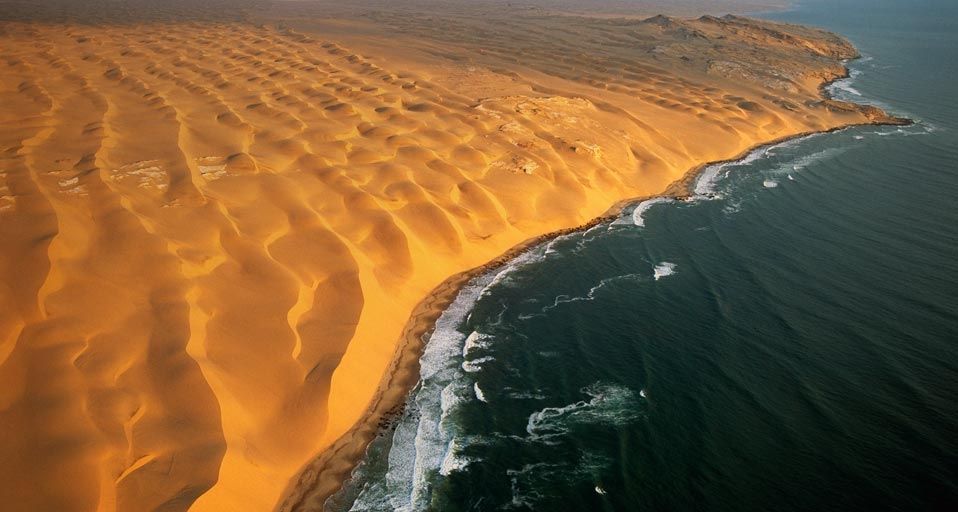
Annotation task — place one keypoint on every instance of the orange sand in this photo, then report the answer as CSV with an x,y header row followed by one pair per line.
x,y
213,234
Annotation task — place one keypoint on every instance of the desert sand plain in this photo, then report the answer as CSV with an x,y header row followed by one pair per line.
x,y
217,224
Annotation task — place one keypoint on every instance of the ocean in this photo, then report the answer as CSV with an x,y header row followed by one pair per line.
x,y
785,340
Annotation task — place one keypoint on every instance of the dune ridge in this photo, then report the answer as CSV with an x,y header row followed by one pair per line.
x,y
214,232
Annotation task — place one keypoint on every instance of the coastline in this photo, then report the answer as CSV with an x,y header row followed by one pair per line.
x,y
326,473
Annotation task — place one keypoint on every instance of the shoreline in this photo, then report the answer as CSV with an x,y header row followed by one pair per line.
x,y
325,474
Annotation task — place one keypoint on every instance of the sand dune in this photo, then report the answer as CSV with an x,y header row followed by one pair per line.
x,y
214,232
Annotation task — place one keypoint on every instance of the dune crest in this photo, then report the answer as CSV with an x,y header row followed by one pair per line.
x,y
214,233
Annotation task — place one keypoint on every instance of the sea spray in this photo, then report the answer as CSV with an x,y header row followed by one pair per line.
x,y
664,269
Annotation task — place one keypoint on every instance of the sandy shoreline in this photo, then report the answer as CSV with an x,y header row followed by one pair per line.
x,y
219,231
325,475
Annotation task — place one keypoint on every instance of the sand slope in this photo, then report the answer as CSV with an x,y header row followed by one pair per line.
x,y
213,233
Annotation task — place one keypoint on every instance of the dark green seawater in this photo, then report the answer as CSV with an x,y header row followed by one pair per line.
x,y
788,340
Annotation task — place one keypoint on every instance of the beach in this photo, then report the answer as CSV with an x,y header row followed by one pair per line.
x,y
224,239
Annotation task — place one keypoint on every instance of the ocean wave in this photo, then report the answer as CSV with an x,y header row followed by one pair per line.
x,y
663,269
843,85
842,88
453,460
424,444
531,482
550,246
591,294
609,405
476,341
801,163
502,277
525,394
479,394
705,185
707,182
474,365
732,207
641,208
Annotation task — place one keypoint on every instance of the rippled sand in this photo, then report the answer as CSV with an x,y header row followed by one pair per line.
x,y
214,230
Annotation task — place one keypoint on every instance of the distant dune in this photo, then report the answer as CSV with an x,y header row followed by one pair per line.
x,y
215,227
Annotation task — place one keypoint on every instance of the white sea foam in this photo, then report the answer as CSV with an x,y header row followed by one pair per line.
x,y
769,183
501,277
474,365
452,461
800,164
731,207
550,247
591,294
531,482
641,208
707,182
525,395
663,269
844,85
475,341
608,405
479,394
422,443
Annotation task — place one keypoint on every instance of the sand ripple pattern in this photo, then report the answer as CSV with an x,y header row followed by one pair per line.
x,y
213,233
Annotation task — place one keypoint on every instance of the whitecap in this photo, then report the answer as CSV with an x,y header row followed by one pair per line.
x,y
705,185
663,269
641,208
550,246
526,395
475,365
479,394
799,164
845,85
502,276
608,405
452,461
475,341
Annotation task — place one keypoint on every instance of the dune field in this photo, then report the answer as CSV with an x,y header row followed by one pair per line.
x,y
215,227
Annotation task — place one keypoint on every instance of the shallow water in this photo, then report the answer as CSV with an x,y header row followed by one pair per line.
x,y
787,340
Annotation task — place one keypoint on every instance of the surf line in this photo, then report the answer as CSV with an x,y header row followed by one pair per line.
x,y
330,469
